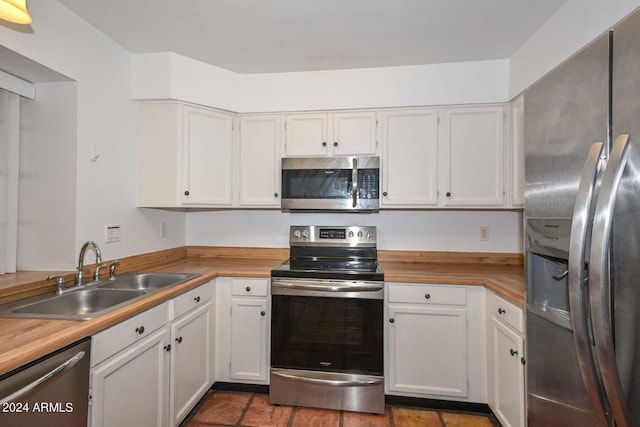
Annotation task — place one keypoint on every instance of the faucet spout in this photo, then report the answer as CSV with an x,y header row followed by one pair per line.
x,y
80,279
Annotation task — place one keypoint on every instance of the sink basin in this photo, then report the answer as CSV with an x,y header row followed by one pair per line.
x,y
79,305
147,281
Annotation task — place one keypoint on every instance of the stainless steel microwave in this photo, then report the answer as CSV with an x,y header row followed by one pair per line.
x,y
331,183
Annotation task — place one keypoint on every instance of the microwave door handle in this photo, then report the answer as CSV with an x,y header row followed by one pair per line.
x,y
354,182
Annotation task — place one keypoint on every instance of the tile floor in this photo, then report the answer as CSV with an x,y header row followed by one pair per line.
x,y
223,408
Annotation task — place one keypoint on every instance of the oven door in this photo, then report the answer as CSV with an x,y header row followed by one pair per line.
x,y
340,183
327,326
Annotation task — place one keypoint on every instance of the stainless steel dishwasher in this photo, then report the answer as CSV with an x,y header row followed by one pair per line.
x,y
53,390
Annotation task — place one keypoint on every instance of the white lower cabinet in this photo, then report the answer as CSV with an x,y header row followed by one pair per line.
x,y
242,330
190,338
431,331
131,388
505,368
151,369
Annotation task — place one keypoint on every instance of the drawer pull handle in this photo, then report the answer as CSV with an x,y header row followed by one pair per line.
x,y
248,289
140,330
501,310
262,313
392,320
179,340
513,352
427,296
197,299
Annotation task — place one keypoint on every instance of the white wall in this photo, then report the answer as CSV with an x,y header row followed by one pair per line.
x,y
571,28
105,189
167,75
434,230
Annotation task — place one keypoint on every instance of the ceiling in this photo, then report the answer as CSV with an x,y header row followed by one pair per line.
x,y
265,36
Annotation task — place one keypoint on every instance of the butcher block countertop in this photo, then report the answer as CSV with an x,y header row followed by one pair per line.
x,y
25,340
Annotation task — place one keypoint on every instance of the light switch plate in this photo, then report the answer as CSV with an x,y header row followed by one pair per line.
x,y
111,233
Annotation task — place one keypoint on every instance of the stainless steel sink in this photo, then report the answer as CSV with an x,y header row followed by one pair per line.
x,y
77,305
94,299
147,281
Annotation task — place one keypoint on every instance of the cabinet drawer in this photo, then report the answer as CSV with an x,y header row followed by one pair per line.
x,y
189,300
110,341
250,287
428,294
509,313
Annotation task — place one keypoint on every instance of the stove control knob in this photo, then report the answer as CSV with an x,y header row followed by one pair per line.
x,y
360,234
350,234
368,234
296,234
305,234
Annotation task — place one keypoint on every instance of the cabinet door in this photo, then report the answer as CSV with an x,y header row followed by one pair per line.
x,y
410,158
190,342
249,339
354,133
131,387
260,161
517,153
427,350
473,158
207,157
306,135
507,397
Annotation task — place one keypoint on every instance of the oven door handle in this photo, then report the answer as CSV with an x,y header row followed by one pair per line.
x,y
346,382
326,287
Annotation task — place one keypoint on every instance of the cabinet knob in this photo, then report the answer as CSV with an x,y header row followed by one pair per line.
x,y
179,340
513,352
523,361
448,194
186,193
501,310
197,299
384,193
140,330
324,143
248,289
275,195
392,320
263,313
167,347
427,296
335,143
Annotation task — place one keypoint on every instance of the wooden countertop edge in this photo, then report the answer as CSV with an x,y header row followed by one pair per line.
x,y
65,332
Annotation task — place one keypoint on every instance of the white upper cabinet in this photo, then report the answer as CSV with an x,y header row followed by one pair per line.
x,y
260,161
184,155
516,159
331,134
472,165
410,158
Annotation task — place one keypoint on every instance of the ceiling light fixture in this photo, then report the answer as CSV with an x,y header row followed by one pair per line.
x,y
15,11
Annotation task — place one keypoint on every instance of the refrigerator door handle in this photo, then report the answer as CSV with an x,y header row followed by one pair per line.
x,y
577,282
599,281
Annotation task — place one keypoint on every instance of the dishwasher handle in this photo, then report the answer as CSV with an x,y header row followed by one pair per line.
x,y
43,380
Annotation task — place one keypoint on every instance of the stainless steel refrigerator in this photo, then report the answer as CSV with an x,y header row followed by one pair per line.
x,y
582,236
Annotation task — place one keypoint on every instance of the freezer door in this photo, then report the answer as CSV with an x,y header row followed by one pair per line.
x,y
565,113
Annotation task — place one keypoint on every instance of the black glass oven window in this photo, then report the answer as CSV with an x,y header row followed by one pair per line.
x,y
316,184
327,334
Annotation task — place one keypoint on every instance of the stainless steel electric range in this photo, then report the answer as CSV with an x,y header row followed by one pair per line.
x,y
326,322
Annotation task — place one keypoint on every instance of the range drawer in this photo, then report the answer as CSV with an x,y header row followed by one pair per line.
x,y
427,294
509,313
189,300
106,343
250,287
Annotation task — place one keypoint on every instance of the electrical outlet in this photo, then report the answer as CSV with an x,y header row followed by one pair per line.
x,y
484,234
163,229
111,233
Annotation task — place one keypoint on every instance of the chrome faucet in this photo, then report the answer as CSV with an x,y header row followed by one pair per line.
x,y
80,280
